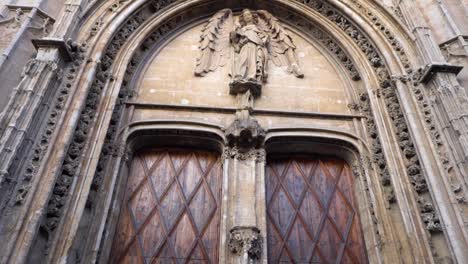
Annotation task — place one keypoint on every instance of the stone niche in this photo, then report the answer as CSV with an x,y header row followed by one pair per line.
x,y
169,79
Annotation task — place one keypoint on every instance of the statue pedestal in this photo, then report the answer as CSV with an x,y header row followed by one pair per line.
x,y
242,86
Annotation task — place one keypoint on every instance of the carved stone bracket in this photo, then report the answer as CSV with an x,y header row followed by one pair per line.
x,y
245,133
246,240
65,48
241,86
430,70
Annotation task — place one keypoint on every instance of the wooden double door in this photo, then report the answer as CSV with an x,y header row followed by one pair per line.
x,y
170,212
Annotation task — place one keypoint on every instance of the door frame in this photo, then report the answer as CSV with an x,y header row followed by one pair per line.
x,y
206,136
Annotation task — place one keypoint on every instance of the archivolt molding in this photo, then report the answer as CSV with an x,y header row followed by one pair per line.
x,y
113,55
119,41
388,92
72,164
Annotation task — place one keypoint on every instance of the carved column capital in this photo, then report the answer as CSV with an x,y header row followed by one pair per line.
x,y
246,240
259,155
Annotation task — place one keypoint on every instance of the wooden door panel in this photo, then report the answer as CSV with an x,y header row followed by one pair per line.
x,y
311,213
170,212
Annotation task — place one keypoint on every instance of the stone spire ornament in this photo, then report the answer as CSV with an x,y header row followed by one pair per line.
x,y
249,41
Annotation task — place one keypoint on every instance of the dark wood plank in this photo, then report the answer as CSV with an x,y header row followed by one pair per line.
x,y
171,209
311,214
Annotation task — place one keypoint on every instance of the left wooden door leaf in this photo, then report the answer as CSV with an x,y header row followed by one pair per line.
x,y
171,209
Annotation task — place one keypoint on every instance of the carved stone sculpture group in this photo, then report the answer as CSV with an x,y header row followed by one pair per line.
x,y
249,41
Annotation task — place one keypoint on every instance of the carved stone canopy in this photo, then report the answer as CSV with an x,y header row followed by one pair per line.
x,y
245,133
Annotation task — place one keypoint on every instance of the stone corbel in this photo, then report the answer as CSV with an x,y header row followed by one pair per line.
x,y
246,242
245,133
431,69
65,48
16,18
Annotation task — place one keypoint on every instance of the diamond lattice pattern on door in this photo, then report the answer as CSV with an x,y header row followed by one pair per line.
x,y
312,216
170,212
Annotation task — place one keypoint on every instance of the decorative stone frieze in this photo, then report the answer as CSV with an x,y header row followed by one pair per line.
x,y
377,157
246,240
42,146
259,155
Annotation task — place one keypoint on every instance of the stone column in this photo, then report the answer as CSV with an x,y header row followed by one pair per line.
x,y
244,216
450,102
25,114
443,76
246,232
37,79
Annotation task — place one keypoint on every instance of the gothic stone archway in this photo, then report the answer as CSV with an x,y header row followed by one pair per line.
x,y
391,172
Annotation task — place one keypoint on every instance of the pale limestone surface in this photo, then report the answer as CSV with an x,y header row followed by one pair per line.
x,y
223,120
169,79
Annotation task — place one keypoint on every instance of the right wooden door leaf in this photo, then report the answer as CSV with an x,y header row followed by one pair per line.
x,y
311,213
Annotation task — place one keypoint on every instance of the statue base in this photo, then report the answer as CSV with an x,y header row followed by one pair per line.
x,y
242,86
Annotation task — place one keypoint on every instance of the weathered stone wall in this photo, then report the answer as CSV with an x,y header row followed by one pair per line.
x,y
20,22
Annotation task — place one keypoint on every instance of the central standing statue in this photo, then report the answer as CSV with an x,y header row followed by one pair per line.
x,y
250,46
250,40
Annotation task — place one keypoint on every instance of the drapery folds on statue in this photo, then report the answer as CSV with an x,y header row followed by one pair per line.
x,y
250,41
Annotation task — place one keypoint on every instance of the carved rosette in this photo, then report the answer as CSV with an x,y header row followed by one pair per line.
x,y
246,240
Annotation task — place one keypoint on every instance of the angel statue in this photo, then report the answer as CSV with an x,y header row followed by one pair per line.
x,y
250,40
